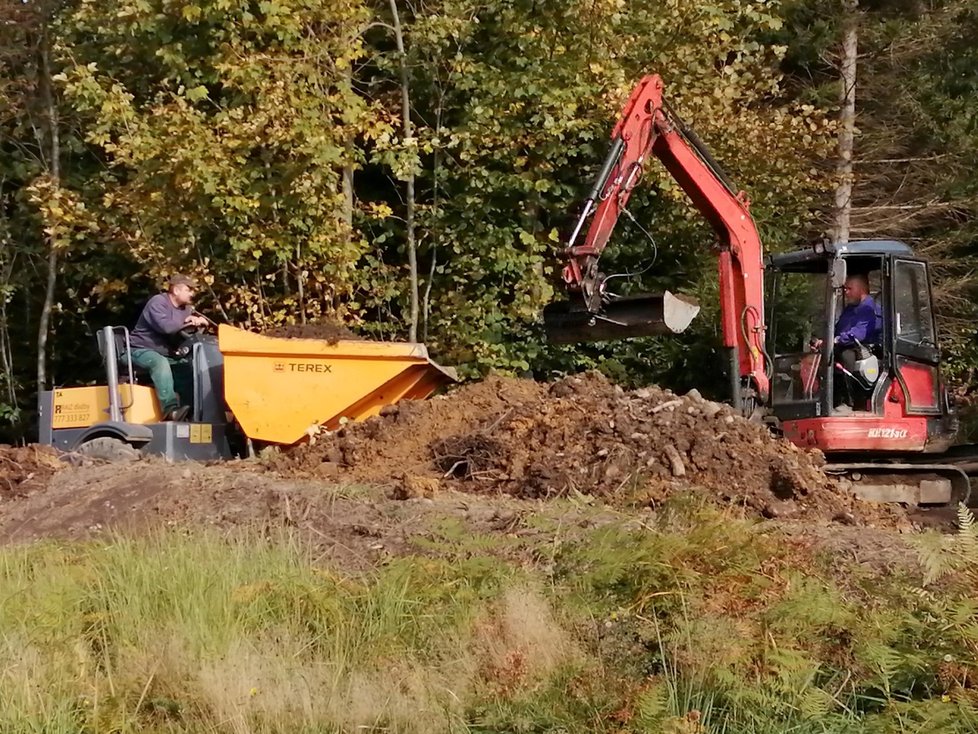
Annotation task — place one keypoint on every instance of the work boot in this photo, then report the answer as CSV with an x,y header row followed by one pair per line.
x,y
177,414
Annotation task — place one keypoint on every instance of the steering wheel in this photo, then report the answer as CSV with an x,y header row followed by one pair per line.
x,y
186,336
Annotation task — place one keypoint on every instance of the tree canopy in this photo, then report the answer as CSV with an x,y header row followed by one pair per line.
x,y
262,145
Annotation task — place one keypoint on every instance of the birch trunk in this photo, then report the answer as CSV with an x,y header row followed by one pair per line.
x,y
54,141
847,123
409,193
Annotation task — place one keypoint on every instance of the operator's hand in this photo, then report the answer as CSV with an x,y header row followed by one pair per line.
x,y
192,320
815,344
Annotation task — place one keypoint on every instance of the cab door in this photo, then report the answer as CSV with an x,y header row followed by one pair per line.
x,y
914,337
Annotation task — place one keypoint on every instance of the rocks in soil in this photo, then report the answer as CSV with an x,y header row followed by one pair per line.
x,y
581,435
414,487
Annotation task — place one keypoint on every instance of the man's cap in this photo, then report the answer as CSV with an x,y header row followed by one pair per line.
x,y
179,279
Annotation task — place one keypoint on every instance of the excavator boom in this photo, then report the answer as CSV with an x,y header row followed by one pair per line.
x,y
648,128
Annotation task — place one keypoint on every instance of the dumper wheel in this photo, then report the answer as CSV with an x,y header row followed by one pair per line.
x,y
108,448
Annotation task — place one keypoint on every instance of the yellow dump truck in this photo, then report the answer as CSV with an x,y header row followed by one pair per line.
x,y
246,388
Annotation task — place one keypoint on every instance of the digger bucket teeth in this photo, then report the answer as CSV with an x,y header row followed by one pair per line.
x,y
569,322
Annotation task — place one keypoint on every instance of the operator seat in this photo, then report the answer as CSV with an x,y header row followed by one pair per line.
x,y
120,338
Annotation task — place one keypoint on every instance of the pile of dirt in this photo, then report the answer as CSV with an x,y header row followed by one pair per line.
x,y
579,435
26,469
330,331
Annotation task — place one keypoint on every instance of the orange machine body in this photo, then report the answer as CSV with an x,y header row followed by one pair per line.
x,y
281,390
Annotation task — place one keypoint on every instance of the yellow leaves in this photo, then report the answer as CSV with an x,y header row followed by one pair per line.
x,y
197,93
376,210
190,13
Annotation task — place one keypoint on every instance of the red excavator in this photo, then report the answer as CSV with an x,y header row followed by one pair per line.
x,y
884,420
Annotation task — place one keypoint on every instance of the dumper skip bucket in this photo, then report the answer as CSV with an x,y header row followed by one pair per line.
x,y
280,390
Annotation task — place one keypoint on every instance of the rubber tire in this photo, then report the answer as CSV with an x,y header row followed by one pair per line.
x,y
109,449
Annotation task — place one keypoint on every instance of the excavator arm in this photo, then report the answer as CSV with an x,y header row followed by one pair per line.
x,y
648,128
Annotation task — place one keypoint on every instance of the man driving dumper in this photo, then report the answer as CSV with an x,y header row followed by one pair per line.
x,y
155,338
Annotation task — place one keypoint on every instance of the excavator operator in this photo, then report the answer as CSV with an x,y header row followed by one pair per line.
x,y
859,324
154,340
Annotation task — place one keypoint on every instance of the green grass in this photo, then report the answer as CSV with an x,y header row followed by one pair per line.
x,y
697,624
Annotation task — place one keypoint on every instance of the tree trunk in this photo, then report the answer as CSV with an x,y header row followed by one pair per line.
x,y
435,203
347,176
847,122
409,194
6,350
54,140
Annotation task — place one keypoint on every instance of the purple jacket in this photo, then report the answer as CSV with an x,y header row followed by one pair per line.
x,y
858,322
157,324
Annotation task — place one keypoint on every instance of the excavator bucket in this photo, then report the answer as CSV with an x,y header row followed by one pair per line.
x,y
569,322
281,390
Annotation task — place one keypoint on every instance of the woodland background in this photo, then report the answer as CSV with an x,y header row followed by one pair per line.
x,y
410,167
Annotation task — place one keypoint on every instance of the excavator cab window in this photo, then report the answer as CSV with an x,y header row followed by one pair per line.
x,y
798,317
915,337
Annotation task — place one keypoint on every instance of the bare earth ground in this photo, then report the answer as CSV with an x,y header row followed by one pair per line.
x,y
509,458
352,527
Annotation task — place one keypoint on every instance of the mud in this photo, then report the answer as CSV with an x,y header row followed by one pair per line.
x,y
329,331
351,528
25,470
580,436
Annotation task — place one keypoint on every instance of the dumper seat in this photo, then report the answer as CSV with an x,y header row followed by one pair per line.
x,y
120,350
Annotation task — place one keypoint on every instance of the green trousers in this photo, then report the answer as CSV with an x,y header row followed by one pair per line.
x,y
171,377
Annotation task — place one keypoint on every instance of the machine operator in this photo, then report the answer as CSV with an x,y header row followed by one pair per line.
x,y
153,341
860,321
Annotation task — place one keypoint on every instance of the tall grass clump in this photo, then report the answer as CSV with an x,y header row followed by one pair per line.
x,y
176,633
733,628
688,622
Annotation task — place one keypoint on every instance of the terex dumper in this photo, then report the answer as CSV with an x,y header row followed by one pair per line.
x,y
246,388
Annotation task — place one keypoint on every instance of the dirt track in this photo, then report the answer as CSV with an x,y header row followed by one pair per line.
x,y
502,446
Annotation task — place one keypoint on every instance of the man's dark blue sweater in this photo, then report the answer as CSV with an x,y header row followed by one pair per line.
x,y
157,324
858,322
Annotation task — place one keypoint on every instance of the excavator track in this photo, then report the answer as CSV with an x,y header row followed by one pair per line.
x,y
923,481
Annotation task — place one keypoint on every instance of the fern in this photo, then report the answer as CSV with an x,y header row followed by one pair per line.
x,y
967,537
816,704
934,557
653,706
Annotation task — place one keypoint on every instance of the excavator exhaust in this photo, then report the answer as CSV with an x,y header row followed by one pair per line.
x,y
570,322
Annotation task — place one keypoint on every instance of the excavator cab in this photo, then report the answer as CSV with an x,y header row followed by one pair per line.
x,y
886,393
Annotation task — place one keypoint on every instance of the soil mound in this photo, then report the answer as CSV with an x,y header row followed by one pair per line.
x,y
330,331
26,469
579,435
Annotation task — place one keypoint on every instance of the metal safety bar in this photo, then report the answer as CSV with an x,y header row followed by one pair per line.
x,y
112,359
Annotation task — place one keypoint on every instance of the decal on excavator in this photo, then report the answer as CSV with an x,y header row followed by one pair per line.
x,y
886,433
